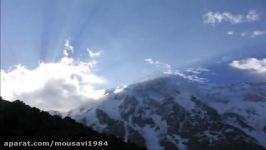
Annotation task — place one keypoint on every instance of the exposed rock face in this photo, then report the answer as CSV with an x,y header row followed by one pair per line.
x,y
115,127
233,117
135,136
165,114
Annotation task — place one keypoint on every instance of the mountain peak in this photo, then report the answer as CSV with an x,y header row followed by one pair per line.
x,y
169,113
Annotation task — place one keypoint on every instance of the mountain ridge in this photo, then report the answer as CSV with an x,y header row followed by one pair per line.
x,y
173,113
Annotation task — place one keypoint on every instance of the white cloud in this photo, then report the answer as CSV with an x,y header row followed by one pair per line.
x,y
191,77
214,18
190,74
151,61
251,34
250,64
120,89
252,16
67,48
230,32
165,66
258,33
94,54
60,86
197,70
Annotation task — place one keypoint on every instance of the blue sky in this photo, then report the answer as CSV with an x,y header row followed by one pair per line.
x,y
180,33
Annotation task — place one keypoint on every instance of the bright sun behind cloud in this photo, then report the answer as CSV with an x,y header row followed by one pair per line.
x,y
59,86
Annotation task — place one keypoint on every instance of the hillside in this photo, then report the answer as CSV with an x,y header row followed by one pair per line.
x,y
19,122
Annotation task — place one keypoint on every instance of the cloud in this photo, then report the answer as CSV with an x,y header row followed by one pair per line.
x,y
230,32
59,86
258,33
120,89
252,16
191,77
197,70
250,64
151,61
94,54
190,74
165,66
214,18
67,48
251,34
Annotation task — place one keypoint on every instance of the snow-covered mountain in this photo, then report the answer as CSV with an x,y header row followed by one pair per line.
x,y
242,106
174,113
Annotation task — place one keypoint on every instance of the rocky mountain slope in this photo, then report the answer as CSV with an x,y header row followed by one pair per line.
x,y
172,113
